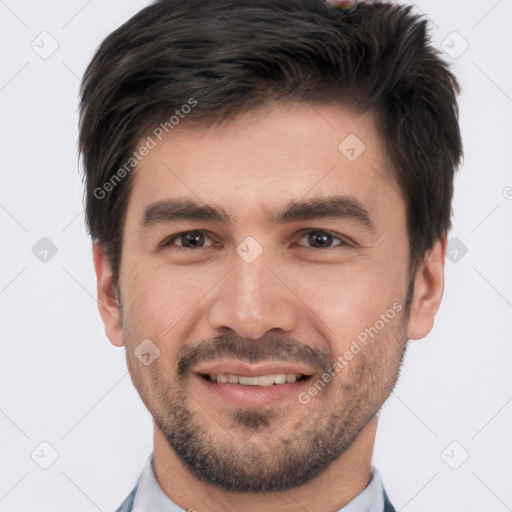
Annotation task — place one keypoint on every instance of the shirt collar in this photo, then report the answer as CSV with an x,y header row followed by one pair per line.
x,y
151,498
371,499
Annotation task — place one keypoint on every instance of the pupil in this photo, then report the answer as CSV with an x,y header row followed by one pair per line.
x,y
320,239
193,239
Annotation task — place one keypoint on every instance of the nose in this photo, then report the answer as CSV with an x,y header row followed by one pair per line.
x,y
252,300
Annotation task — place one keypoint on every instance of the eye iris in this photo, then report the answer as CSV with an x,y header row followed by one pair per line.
x,y
192,240
320,239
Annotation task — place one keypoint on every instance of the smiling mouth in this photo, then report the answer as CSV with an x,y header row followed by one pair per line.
x,y
277,379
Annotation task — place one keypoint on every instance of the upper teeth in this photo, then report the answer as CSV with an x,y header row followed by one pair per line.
x,y
257,380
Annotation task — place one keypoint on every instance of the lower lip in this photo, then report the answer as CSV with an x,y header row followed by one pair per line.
x,y
255,396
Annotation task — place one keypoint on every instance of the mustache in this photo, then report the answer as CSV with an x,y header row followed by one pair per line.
x,y
269,348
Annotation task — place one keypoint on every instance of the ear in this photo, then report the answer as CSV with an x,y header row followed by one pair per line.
x,y
428,291
108,304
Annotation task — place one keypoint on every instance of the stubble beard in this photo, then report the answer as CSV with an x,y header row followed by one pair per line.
x,y
261,451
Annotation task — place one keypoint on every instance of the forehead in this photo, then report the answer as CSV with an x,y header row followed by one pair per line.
x,y
256,162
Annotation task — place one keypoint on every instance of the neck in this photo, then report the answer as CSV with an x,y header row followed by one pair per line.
x,y
345,479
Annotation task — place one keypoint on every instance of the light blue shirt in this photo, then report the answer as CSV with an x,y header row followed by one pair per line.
x,y
151,498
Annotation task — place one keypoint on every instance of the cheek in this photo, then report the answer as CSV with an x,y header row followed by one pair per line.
x,y
370,360
356,292
351,297
159,297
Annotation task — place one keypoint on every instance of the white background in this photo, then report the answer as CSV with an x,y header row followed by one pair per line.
x,y
62,382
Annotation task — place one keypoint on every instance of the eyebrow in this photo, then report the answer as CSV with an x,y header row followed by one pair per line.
x,y
183,209
330,207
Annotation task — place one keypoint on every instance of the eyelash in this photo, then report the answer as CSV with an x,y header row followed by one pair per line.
x,y
342,242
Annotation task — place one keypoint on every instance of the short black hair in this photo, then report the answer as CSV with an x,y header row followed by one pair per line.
x,y
225,57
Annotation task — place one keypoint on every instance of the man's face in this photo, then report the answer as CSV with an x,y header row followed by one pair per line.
x,y
305,263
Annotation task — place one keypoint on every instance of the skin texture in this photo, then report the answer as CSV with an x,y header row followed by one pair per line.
x,y
298,302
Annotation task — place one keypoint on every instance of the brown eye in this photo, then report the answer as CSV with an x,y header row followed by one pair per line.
x,y
189,240
321,240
